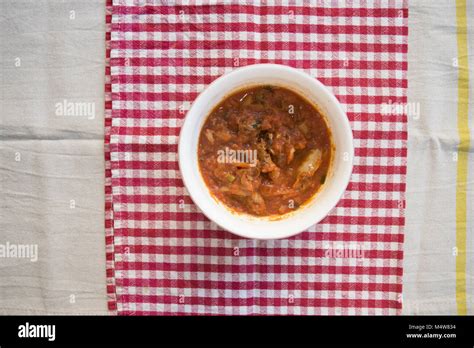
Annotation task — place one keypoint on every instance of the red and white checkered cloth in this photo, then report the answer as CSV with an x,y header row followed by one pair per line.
x,y
164,255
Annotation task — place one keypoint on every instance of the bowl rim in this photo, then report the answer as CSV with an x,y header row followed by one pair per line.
x,y
182,154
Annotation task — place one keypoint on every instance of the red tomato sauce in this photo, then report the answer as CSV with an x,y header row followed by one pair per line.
x,y
264,151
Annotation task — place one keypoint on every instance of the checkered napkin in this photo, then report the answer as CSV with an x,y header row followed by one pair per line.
x,y
163,255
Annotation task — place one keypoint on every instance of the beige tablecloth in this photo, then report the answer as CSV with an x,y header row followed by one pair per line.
x,y
429,284
52,168
51,163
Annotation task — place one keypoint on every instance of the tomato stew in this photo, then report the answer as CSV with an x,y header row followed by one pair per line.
x,y
264,151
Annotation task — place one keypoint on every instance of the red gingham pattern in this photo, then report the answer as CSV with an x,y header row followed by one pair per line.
x,y
167,257
109,232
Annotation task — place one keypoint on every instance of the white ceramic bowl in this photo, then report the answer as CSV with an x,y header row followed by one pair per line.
x,y
309,214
